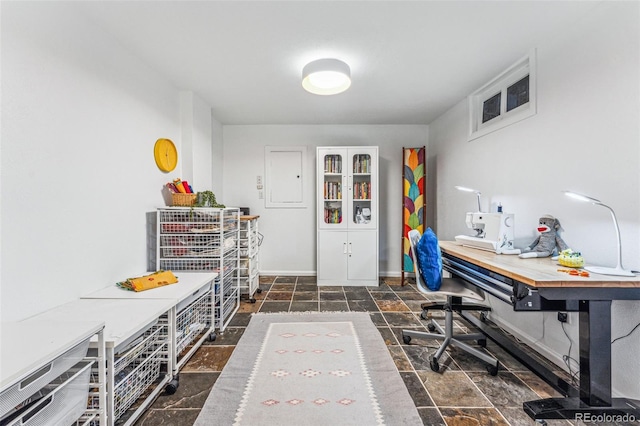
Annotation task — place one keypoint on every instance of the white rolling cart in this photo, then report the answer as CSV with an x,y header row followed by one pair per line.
x,y
248,271
202,239
46,375
136,340
192,320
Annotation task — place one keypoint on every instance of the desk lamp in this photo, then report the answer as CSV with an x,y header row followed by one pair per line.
x,y
618,270
465,189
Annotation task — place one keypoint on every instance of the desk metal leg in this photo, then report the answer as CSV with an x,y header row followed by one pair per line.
x,y
595,399
595,352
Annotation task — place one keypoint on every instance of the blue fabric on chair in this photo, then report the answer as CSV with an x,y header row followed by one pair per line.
x,y
430,260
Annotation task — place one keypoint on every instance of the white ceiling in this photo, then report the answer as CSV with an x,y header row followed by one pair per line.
x,y
410,60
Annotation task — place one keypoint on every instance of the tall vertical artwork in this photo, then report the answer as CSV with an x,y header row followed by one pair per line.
x,y
413,200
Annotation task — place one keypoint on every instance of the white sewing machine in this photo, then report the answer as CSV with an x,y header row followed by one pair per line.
x,y
494,232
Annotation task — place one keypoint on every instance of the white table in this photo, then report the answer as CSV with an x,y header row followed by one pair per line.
x,y
125,320
29,349
192,289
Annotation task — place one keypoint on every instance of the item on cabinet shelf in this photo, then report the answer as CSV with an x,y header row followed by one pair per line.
x,y
207,199
148,282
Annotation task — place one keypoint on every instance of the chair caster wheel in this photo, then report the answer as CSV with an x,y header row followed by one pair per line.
x,y
431,327
424,315
212,337
493,369
172,386
252,300
482,343
433,363
259,291
406,339
483,316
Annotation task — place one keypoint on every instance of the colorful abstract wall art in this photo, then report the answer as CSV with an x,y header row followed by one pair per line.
x,y
413,200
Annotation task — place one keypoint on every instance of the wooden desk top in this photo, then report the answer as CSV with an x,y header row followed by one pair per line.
x,y
249,217
535,272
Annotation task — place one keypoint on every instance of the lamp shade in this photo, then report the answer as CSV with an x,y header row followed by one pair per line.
x,y
326,77
475,191
618,269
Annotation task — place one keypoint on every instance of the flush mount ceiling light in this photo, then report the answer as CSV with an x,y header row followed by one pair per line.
x,y
326,77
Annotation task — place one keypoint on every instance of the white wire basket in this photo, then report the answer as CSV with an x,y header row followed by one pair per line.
x,y
192,321
138,368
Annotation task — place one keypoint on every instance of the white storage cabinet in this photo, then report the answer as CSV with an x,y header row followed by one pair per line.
x,y
347,216
206,240
136,342
47,376
250,240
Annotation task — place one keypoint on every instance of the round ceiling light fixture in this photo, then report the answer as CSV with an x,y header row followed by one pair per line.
x,y
326,77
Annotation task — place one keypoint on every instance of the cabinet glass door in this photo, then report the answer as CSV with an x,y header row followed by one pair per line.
x,y
362,203
332,180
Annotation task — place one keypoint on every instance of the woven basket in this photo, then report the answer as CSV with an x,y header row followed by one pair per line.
x,y
181,199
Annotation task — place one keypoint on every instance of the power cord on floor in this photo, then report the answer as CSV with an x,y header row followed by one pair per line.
x,y
626,335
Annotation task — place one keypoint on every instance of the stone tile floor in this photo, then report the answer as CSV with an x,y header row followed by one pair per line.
x,y
461,394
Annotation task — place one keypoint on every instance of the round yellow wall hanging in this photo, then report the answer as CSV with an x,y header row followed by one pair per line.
x,y
165,154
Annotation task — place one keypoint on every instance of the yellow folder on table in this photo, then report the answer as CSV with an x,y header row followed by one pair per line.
x,y
148,282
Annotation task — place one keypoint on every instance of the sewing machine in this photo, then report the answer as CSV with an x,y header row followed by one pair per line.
x,y
494,232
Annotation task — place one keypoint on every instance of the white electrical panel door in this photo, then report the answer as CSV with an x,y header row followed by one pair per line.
x,y
284,175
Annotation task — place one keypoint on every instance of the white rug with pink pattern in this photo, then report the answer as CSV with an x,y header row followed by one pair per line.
x,y
310,369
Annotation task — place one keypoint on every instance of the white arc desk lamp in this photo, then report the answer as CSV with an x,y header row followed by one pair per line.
x,y
618,270
465,189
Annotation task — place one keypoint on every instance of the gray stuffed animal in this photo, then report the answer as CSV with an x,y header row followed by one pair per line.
x,y
548,240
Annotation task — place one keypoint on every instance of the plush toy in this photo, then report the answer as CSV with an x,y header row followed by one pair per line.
x,y
548,240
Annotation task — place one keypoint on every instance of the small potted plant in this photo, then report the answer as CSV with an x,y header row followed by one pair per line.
x,y
207,199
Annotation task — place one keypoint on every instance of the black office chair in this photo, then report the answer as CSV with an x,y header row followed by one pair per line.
x,y
454,289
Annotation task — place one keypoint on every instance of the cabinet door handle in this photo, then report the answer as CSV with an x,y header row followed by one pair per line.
x,y
344,248
350,248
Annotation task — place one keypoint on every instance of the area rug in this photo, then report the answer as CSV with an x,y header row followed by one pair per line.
x,y
310,369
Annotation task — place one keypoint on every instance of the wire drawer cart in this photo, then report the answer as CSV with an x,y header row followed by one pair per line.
x,y
250,241
53,380
203,239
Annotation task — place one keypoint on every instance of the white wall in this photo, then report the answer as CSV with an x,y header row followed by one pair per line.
x,y
196,137
217,164
585,138
289,245
80,117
